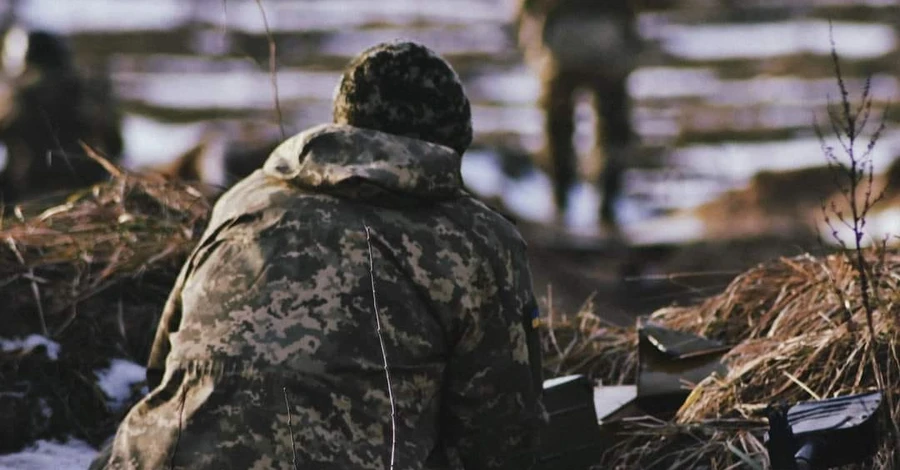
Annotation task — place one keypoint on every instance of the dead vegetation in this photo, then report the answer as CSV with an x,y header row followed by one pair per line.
x,y
799,333
802,328
90,273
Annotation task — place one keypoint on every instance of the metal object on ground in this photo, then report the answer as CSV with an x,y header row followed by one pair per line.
x,y
670,362
583,416
572,439
824,434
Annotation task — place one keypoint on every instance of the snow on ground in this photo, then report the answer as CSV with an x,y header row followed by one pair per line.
x,y
282,15
104,15
667,230
31,342
881,226
116,381
286,15
149,141
530,197
49,455
236,89
729,41
739,161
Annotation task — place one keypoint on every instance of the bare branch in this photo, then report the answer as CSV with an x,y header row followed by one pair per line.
x,y
273,69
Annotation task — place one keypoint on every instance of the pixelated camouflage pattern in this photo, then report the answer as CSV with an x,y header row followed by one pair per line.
x,y
405,88
267,354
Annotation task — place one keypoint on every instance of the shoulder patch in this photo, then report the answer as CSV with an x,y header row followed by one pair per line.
x,y
535,318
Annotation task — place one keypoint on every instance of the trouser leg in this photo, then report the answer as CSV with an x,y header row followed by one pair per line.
x,y
557,102
614,136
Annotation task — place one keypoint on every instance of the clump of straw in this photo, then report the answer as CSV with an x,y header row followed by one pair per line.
x,y
90,273
799,331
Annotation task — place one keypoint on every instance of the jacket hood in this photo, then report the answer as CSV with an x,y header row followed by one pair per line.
x,y
357,163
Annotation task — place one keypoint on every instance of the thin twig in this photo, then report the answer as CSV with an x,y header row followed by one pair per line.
x,y
680,275
123,331
849,125
35,290
802,385
287,404
387,372
106,164
273,70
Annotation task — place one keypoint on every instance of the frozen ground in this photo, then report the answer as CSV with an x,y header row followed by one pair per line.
x,y
30,342
116,381
50,455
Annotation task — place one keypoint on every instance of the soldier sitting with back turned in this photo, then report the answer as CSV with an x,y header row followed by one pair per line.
x,y
51,108
583,44
269,352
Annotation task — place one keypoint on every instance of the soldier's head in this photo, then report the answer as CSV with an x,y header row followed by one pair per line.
x,y
404,88
23,50
48,50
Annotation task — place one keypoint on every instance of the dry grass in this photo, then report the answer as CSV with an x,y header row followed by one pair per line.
x,y
92,274
800,333
585,344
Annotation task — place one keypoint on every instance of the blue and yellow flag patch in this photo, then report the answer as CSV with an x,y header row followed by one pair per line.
x,y
535,318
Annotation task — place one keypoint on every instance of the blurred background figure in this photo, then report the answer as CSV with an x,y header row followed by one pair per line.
x,y
590,45
47,109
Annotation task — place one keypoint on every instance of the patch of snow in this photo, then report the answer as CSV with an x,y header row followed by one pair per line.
x,y
665,230
668,190
482,174
46,411
487,39
584,209
523,120
117,380
104,15
649,83
351,14
630,210
881,225
31,342
729,41
49,455
531,197
519,85
238,89
153,142
738,162
798,91
672,82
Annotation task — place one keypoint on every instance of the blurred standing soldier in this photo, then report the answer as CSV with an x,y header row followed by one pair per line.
x,y
48,110
350,305
590,44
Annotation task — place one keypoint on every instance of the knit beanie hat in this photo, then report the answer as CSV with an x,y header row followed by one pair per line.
x,y
404,88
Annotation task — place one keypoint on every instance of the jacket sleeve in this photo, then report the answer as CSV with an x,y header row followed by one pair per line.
x,y
491,401
168,322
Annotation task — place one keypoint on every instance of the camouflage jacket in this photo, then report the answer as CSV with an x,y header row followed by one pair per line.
x,y
268,354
